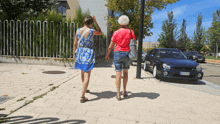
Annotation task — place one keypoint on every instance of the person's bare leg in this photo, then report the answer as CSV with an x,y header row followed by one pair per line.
x,y
82,76
118,81
125,79
86,82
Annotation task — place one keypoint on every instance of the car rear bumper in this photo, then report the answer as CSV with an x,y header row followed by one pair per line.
x,y
176,74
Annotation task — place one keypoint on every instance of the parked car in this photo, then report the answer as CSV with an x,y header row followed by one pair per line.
x,y
142,58
195,56
172,63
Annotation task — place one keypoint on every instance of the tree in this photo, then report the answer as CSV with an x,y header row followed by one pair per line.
x,y
167,38
132,8
13,9
205,49
183,42
199,37
214,32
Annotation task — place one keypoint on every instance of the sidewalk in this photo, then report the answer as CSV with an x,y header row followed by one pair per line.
x,y
148,101
213,61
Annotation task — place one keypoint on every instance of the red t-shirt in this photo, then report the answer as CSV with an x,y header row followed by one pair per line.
x,y
122,39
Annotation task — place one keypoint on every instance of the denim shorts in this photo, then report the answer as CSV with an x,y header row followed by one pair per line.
x,y
121,60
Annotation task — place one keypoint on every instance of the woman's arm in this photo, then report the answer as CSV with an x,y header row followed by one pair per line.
x,y
111,45
99,32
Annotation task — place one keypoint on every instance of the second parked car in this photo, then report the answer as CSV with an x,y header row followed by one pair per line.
x,y
195,56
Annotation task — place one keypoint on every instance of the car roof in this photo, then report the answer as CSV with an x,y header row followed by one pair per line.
x,y
166,49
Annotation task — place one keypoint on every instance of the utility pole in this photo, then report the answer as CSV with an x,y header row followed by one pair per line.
x,y
140,40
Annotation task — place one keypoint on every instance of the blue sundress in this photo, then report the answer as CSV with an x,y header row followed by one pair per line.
x,y
85,56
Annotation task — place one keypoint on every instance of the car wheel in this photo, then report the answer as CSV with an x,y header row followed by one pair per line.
x,y
155,71
145,66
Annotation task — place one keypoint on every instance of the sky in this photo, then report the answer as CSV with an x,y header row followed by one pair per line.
x,y
184,9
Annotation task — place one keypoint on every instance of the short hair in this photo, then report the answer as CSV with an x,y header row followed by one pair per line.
x,y
88,20
123,20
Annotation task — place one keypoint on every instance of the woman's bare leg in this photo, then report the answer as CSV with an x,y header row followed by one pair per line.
x,y
86,82
118,81
82,76
125,79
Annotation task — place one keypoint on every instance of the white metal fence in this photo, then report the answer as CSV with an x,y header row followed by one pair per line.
x,y
42,39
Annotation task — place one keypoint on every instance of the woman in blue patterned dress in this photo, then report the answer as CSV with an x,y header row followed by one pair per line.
x,y
85,56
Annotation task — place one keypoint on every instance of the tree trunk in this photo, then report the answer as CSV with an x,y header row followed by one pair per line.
x,y
216,50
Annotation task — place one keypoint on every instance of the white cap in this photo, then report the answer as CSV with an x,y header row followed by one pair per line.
x,y
123,20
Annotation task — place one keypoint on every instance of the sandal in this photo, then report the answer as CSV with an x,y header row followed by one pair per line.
x,y
124,93
83,99
118,97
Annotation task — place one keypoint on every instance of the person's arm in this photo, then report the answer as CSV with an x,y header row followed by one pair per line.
x,y
99,32
112,44
134,37
75,45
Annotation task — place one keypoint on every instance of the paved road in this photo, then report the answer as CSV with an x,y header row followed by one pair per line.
x,y
211,73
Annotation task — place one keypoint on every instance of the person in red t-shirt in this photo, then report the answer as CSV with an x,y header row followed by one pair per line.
x,y
121,53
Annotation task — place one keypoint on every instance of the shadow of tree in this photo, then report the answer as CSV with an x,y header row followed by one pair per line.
x,y
109,94
29,119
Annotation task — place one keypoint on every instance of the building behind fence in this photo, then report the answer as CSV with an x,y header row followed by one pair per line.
x,y
42,39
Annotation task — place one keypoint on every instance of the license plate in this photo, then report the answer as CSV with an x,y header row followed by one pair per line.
x,y
185,73
199,59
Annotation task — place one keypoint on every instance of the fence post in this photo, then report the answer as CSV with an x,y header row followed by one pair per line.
x,y
66,37
17,37
60,38
45,46
52,43
25,21
33,36
6,21
72,26
12,25
39,23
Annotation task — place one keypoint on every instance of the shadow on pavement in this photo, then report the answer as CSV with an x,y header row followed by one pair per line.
x,y
29,119
179,81
212,76
110,94
142,95
104,95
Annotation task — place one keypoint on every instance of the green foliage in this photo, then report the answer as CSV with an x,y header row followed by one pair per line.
x,y
199,37
79,17
14,9
132,8
205,49
167,38
183,42
191,49
214,32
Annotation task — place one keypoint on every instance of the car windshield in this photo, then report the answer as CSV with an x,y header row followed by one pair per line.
x,y
175,54
193,53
